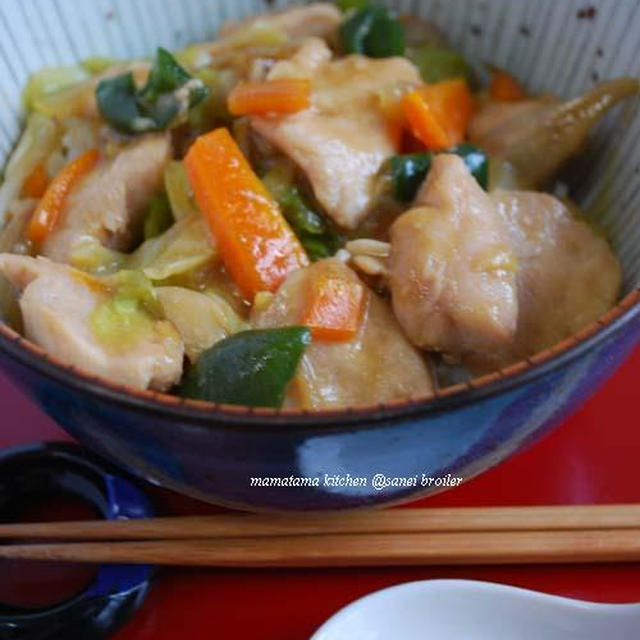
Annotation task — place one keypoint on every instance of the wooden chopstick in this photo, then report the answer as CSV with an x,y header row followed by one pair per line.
x,y
468,519
347,550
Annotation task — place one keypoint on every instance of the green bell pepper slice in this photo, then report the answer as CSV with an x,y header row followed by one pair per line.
x,y
408,172
251,368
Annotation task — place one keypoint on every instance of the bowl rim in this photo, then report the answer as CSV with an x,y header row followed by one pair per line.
x,y
206,414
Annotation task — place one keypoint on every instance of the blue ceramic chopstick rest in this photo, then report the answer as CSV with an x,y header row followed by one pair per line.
x,y
116,591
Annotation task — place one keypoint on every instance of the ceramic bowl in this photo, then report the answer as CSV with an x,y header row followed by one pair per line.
x,y
214,452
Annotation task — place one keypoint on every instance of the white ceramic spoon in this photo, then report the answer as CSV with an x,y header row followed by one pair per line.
x,y
466,610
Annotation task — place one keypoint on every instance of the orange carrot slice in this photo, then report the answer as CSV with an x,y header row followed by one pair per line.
x,y
334,309
36,183
256,244
48,211
287,95
505,88
438,114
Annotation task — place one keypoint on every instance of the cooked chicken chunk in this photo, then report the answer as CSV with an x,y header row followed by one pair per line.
x,y
378,365
107,207
343,139
538,136
57,303
320,19
567,277
452,271
312,55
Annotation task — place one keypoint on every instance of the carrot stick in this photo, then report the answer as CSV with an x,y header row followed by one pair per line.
x,y
286,95
438,114
334,309
504,87
256,244
36,183
48,211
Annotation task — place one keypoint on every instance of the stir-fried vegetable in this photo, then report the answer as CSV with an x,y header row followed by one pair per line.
x,y
186,246
437,64
166,98
158,218
128,314
36,183
372,31
57,91
316,235
504,87
47,212
213,110
252,368
408,172
91,256
285,95
438,114
257,245
202,319
288,135
333,309
176,183
36,144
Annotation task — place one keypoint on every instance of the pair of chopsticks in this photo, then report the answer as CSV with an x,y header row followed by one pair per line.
x,y
484,535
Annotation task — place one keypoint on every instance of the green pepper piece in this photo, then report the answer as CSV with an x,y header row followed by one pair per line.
x,y
477,161
159,217
153,107
408,172
252,368
315,233
373,32
299,214
116,98
165,77
437,64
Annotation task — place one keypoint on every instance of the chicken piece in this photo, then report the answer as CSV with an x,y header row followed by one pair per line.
x,y
57,302
538,136
312,55
378,365
108,206
319,19
567,277
342,141
452,272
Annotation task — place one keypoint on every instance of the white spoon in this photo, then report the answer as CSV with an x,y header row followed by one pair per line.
x,y
466,610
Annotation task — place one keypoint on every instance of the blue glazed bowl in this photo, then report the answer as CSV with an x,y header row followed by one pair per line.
x,y
263,460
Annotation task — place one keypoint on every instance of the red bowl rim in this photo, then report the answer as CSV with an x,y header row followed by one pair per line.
x,y
202,413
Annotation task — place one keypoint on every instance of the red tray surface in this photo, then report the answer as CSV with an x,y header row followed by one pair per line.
x,y
592,458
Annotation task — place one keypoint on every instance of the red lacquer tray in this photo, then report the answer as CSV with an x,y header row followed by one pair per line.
x,y
593,458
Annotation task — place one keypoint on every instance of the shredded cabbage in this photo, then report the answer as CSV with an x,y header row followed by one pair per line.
x,y
202,319
129,313
90,256
186,246
58,92
38,140
179,191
